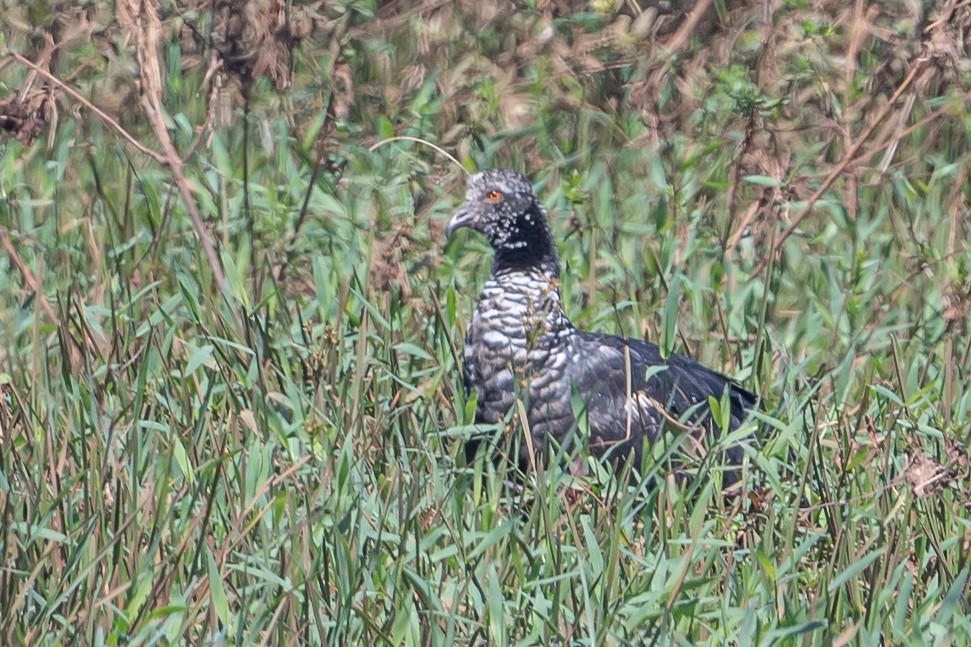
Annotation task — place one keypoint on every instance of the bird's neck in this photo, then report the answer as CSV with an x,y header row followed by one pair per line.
x,y
529,249
532,294
511,261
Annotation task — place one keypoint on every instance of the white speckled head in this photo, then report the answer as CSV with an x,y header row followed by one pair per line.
x,y
502,206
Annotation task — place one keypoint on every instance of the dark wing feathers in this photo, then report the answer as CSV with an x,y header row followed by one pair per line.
x,y
679,383
659,393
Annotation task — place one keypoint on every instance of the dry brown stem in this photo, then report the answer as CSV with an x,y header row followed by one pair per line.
x,y
681,37
114,125
141,19
920,66
32,283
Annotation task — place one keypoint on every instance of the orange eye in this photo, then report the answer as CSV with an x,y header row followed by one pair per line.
x,y
494,196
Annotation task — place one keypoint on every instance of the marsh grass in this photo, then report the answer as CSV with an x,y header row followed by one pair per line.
x,y
276,456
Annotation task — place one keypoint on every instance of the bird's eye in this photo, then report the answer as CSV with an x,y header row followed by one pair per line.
x,y
494,196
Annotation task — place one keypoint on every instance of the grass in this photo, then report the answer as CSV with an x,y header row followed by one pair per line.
x,y
276,457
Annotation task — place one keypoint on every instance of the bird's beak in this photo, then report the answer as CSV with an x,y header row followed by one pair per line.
x,y
462,218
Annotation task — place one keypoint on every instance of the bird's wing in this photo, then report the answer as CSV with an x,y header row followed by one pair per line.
x,y
633,394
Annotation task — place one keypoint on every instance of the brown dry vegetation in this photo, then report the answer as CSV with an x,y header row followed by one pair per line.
x,y
844,77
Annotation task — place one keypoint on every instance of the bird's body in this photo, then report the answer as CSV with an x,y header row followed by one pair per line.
x,y
521,345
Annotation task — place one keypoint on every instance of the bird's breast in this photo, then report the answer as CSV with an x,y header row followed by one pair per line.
x,y
514,340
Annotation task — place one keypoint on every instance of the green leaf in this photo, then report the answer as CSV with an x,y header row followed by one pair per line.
x,y
956,594
497,627
854,569
197,359
217,589
182,458
234,282
669,317
411,349
762,180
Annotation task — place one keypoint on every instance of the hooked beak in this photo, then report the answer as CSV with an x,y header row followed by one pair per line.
x,y
462,218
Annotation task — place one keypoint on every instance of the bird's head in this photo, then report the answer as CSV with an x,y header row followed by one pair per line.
x,y
501,205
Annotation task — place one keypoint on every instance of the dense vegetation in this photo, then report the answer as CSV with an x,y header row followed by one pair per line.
x,y
231,406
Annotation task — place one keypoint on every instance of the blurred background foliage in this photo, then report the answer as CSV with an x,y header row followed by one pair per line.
x,y
231,407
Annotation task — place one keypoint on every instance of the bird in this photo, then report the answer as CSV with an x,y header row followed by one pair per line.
x,y
521,346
